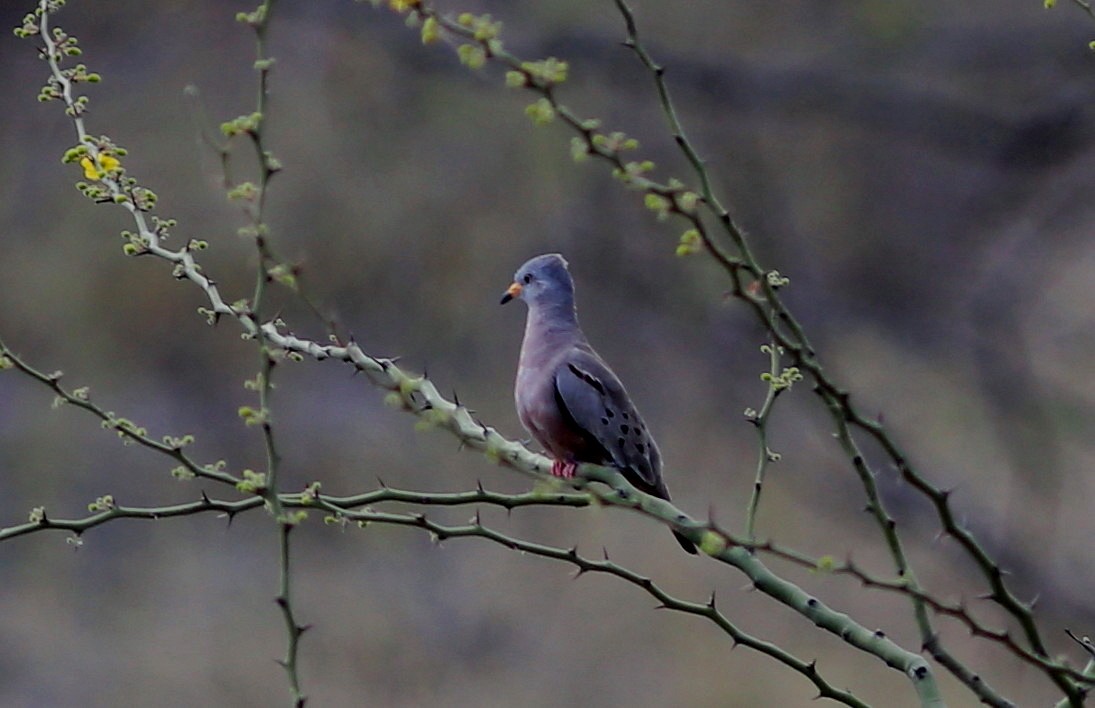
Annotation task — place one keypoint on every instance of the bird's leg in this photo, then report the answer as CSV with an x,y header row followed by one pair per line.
x,y
564,469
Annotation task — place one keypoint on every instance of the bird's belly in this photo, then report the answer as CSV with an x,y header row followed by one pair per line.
x,y
540,414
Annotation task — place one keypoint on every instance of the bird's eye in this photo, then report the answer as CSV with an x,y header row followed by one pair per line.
x,y
527,278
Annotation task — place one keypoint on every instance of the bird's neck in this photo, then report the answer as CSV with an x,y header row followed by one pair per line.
x,y
550,327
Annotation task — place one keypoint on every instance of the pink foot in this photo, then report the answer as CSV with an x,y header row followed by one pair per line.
x,y
566,470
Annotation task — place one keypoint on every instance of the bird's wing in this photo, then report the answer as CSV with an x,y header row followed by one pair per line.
x,y
591,395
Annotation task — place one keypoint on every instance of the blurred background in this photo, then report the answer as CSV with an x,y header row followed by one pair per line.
x,y
923,172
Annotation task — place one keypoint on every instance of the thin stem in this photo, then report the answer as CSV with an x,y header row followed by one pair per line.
x,y
293,629
171,446
764,455
708,610
776,317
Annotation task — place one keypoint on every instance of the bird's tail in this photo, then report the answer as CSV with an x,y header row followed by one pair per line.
x,y
663,491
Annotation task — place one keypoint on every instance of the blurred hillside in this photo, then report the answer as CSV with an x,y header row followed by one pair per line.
x,y
923,172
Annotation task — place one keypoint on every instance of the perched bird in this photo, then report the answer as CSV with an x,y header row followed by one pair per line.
x,y
567,397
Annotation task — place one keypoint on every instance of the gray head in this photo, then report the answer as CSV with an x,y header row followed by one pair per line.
x,y
543,281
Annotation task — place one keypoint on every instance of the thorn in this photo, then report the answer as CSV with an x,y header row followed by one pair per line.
x,y
477,519
205,498
302,628
478,484
381,482
711,600
455,398
605,551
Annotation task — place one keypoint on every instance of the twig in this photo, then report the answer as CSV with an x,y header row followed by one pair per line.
x,y
171,446
760,421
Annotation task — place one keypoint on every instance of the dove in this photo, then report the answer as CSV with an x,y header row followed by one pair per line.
x,y
567,397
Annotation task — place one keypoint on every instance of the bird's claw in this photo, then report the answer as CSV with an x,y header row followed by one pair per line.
x,y
566,470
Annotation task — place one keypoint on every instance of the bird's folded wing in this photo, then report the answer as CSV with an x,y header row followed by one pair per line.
x,y
596,401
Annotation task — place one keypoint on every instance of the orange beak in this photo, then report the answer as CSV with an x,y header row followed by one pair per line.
x,y
514,290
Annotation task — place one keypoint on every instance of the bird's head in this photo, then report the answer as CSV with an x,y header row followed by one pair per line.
x,y
542,281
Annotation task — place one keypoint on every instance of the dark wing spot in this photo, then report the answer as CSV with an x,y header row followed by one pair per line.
x,y
609,413
592,449
604,422
626,416
620,442
624,428
591,380
641,448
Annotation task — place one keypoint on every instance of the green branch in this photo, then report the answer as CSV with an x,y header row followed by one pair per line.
x,y
777,384
708,610
259,20
899,585
842,411
309,499
171,446
341,510
418,395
